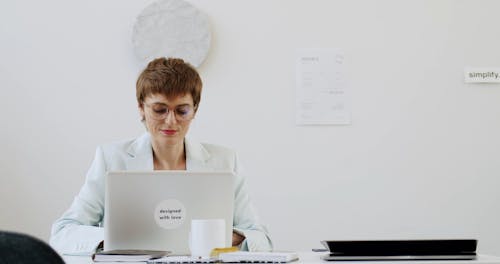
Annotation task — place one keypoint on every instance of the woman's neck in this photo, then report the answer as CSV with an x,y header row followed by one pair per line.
x,y
169,157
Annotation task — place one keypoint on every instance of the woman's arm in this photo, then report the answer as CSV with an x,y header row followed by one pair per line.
x,y
246,223
78,231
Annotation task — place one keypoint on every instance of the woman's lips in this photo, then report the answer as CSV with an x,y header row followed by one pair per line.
x,y
169,132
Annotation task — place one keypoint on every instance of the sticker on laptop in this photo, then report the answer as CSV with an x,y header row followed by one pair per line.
x,y
170,214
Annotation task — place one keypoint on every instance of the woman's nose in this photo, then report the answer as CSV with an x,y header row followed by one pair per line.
x,y
170,117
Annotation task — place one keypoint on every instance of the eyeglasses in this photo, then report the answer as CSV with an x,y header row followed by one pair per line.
x,y
160,111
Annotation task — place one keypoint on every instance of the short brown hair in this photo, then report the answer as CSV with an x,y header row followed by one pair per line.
x,y
171,77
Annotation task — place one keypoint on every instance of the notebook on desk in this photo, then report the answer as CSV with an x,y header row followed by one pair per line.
x,y
153,210
433,249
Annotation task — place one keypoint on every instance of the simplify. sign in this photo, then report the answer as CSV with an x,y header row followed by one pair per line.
x,y
482,75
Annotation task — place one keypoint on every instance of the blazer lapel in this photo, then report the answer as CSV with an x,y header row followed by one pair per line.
x,y
140,154
197,156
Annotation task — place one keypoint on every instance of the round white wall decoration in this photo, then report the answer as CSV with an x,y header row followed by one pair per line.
x,y
172,28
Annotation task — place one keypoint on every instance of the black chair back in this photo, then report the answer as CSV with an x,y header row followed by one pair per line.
x,y
17,248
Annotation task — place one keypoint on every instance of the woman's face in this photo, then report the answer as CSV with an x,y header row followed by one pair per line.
x,y
167,119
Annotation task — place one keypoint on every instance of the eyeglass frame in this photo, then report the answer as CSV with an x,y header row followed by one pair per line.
x,y
192,110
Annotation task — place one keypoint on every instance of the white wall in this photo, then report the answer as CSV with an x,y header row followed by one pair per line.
x,y
420,159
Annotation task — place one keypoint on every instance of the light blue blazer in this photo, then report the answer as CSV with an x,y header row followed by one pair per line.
x,y
79,230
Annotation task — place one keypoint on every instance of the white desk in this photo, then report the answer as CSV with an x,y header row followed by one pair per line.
x,y
314,257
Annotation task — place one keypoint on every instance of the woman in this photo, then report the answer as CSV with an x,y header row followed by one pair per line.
x,y
168,96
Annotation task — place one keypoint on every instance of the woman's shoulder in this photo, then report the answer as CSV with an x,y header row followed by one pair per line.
x,y
219,157
127,145
218,149
209,154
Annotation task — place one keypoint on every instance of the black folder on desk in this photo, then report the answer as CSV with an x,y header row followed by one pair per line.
x,y
433,249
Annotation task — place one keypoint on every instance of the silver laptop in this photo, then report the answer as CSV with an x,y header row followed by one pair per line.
x,y
153,210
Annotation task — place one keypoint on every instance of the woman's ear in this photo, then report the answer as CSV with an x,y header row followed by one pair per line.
x,y
195,111
141,111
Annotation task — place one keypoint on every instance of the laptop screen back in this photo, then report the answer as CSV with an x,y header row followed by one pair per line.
x,y
153,210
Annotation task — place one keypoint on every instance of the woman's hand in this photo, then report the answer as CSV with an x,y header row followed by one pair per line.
x,y
237,239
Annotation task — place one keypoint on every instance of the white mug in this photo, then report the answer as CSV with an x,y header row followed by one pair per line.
x,y
205,235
